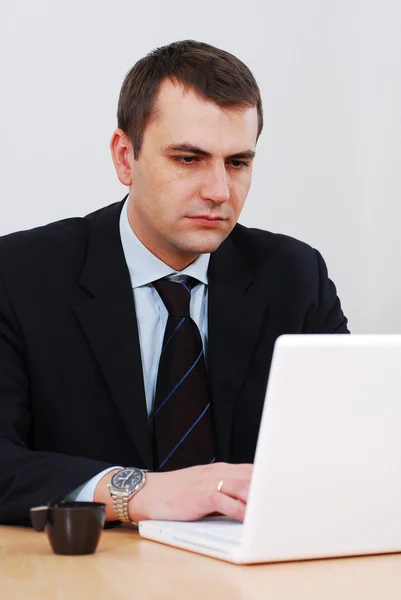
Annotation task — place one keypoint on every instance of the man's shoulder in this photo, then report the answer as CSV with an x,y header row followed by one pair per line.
x,y
52,244
257,245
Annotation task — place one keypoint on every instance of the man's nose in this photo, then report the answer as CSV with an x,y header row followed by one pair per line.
x,y
216,185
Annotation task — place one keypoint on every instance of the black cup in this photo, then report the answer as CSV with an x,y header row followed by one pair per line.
x,y
72,527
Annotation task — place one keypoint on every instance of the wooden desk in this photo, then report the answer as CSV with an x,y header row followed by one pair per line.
x,y
125,566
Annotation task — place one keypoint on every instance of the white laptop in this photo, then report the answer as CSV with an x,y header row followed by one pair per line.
x,y
327,471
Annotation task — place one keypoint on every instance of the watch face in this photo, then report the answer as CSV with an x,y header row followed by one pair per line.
x,y
127,478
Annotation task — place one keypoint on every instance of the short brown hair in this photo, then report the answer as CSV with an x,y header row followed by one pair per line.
x,y
214,74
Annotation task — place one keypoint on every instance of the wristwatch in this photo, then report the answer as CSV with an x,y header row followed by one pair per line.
x,y
123,486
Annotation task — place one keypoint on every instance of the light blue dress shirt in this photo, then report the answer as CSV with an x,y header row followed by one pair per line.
x,y
144,267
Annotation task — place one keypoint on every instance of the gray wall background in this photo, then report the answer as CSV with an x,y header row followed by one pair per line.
x,y
328,163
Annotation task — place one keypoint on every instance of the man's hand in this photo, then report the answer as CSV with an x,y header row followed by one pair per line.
x,y
190,494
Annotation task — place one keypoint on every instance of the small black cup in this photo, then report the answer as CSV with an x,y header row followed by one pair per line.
x,y
72,527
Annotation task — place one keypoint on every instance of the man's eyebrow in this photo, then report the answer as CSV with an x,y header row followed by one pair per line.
x,y
248,154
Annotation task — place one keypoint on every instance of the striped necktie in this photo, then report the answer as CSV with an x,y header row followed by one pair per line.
x,y
182,421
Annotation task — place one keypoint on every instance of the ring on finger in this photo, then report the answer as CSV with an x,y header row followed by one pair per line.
x,y
220,486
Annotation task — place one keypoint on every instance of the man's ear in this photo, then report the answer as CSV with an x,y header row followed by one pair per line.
x,y
122,154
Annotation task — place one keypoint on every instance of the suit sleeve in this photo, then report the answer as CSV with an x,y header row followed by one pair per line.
x,y
86,491
27,477
329,315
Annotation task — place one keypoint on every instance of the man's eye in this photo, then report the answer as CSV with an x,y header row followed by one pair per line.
x,y
185,160
239,164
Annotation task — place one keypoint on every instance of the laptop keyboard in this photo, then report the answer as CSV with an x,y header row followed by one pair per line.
x,y
227,531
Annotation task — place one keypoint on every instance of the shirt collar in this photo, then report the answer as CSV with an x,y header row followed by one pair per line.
x,y
144,267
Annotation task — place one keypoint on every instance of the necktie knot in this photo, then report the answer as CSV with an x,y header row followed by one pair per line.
x,y
176,294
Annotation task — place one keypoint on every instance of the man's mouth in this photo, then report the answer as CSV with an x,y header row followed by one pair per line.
x,y
207,218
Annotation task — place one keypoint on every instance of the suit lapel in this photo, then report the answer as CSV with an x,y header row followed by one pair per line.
x,y
235,311
109,323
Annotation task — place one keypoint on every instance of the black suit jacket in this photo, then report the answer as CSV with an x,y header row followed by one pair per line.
x,y
72,398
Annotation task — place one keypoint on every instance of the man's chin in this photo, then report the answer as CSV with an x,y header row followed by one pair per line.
x,y
203,246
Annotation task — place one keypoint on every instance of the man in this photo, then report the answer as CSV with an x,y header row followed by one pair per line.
x,y
141,335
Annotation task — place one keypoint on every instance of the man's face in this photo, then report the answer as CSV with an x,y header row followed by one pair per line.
x,y
192,176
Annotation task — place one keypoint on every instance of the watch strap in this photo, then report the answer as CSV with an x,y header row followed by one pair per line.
x,y
120,504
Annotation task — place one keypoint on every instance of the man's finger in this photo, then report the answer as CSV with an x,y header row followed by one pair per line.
x,y
229,507
235,488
